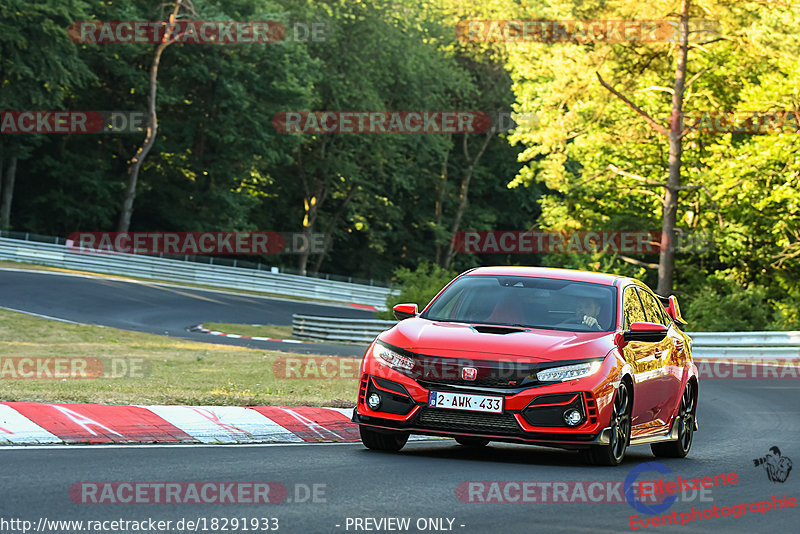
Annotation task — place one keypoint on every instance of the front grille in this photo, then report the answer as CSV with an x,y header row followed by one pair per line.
x,y
432,371
489,382
490,423
476,386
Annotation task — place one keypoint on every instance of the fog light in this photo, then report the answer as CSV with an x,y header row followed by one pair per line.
x,y
572,417
374,401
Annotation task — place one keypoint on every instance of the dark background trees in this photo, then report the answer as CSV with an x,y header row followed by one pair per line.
x,y
590,161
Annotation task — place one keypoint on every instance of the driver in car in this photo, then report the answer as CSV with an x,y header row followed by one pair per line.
x,y
586,311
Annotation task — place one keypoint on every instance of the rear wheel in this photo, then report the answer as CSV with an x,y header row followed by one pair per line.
x,y
614,451
472,442
679,448
382,441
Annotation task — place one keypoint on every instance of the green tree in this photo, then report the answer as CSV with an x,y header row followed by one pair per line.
x,y
417,286
599,145
39,68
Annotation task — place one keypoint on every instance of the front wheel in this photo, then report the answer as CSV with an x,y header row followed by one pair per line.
x,y
679,448
614,451
382,441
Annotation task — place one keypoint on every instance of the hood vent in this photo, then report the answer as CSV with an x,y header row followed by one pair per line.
x,y
501,330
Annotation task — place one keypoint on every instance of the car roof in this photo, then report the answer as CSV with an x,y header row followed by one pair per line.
x,y
547,272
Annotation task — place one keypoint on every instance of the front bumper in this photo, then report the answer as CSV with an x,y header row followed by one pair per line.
x,y
506,430
531,416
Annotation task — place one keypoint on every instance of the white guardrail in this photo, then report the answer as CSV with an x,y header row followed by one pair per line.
x,y
337,330
749,345
705,345
170,270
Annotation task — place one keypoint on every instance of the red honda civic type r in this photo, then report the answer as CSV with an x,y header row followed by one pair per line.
x,y
553,357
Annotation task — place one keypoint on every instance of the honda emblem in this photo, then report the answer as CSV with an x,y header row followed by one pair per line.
x,y
469,373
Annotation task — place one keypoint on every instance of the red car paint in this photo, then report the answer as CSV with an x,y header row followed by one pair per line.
x,y
657,370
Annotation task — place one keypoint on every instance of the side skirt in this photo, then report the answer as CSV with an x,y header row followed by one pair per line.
x,y
672,435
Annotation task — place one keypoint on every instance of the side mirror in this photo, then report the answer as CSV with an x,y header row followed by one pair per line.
x,y
674,311
405,311
642,331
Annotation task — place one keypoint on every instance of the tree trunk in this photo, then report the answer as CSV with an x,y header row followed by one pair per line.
x,y
331,226
152,129
8,194
666,261
463,193
311,210
441,189
312,202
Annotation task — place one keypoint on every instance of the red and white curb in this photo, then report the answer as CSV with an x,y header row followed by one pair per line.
x,y
200,328
24,423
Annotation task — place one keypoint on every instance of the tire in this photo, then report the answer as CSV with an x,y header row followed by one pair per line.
x,y
613,453
679,448
380,441
472,442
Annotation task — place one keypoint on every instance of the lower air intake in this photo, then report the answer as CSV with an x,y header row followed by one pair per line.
x,y
490,423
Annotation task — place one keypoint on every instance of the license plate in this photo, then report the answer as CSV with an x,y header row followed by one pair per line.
x,y
463,401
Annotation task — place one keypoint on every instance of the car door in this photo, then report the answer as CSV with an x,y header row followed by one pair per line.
x,y
646,367
667,383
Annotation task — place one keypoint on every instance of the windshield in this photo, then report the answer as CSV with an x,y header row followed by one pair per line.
x,y
527,301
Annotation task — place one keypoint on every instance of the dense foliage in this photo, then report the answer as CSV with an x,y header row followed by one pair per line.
x,y
417,286
389,201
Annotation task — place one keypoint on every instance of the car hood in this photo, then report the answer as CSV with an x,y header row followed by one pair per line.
x,y
435,338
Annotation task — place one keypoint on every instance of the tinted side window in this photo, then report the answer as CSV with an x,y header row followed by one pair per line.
x,y
632,308
652,308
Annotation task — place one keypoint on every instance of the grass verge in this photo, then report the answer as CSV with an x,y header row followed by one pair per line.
x,y
168,370
277,331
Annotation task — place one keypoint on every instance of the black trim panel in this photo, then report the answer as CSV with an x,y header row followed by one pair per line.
x,y
555,440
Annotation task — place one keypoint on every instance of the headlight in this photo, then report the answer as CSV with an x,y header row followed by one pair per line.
x,y
391,358
568,372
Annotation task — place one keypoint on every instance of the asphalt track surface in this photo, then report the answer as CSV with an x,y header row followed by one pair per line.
x,y
162,309
739,419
